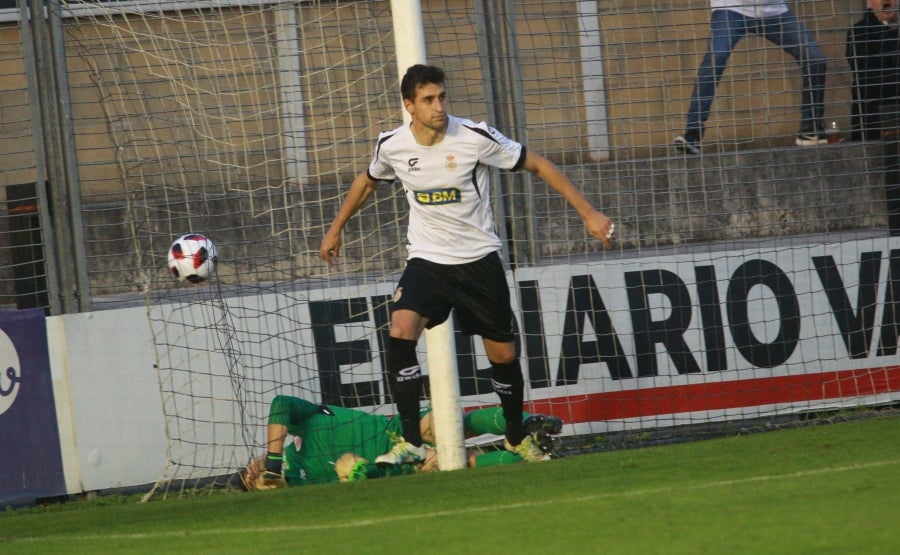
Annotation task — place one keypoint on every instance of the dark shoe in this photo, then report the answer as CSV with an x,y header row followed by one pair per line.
x,y
541,428
542,423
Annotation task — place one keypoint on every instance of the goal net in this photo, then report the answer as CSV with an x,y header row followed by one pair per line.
x,y
754,281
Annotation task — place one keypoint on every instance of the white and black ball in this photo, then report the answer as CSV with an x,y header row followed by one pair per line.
x,y
193,258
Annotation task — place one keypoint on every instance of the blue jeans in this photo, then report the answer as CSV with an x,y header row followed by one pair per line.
x,y
726,29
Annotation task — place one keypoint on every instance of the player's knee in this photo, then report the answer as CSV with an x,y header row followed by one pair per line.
x,y
501,353
406,324
720,58
504,359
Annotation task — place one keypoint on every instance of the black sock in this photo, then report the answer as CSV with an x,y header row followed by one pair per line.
x,y
274,462
405,379
510,387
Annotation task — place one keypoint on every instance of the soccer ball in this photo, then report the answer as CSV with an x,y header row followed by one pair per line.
x,y
192,257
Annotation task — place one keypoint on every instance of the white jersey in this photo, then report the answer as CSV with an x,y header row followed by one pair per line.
x,y
751,8
447,186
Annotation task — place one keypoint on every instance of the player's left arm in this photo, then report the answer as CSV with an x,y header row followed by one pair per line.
x,y
596,222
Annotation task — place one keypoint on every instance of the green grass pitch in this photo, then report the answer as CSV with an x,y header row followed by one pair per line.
x,y
831,488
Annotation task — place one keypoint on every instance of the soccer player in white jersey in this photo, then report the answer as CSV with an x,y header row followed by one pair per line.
x,y
453,263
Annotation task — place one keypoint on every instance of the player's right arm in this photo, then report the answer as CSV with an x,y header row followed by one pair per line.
x,y
360,189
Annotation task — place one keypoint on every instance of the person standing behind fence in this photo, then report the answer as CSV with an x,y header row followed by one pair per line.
x,y
453,261
731,20
873,52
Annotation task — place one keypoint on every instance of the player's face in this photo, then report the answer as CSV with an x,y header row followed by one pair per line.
x,y
429,107
885,10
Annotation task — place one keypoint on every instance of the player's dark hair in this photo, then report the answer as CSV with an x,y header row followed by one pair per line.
x,y
419,75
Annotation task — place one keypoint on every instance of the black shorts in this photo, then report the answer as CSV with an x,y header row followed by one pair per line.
x,y
477,290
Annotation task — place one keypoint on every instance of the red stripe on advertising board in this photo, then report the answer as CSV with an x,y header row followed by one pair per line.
x,y
720,395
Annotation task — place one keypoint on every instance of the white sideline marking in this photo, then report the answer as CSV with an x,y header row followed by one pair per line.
x,y
457,512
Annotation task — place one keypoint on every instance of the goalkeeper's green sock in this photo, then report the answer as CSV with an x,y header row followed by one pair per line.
x,y
274,462
485,421
496,458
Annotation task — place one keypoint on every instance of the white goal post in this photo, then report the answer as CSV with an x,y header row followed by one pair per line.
x,y
409,38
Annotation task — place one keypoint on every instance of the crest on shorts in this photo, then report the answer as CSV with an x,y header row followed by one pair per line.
x,y
451,162
397,294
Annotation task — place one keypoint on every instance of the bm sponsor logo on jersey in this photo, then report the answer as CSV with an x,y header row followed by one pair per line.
x,y
439,196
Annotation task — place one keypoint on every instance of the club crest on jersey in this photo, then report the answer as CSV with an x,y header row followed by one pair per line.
x,y
451,162
439,196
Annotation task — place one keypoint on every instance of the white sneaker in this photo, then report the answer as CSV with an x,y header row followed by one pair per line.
x,y
402,453
687,145
810,138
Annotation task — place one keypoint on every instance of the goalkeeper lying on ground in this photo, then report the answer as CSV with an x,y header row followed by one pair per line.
x,y
323,433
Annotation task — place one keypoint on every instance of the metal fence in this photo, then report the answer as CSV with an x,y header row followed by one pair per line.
x,y
126,124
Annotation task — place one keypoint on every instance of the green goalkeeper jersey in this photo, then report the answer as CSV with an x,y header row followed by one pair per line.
x,y
319,434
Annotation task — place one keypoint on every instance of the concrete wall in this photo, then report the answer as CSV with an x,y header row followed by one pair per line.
x,y
656,202
150,153
651,50
112,429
